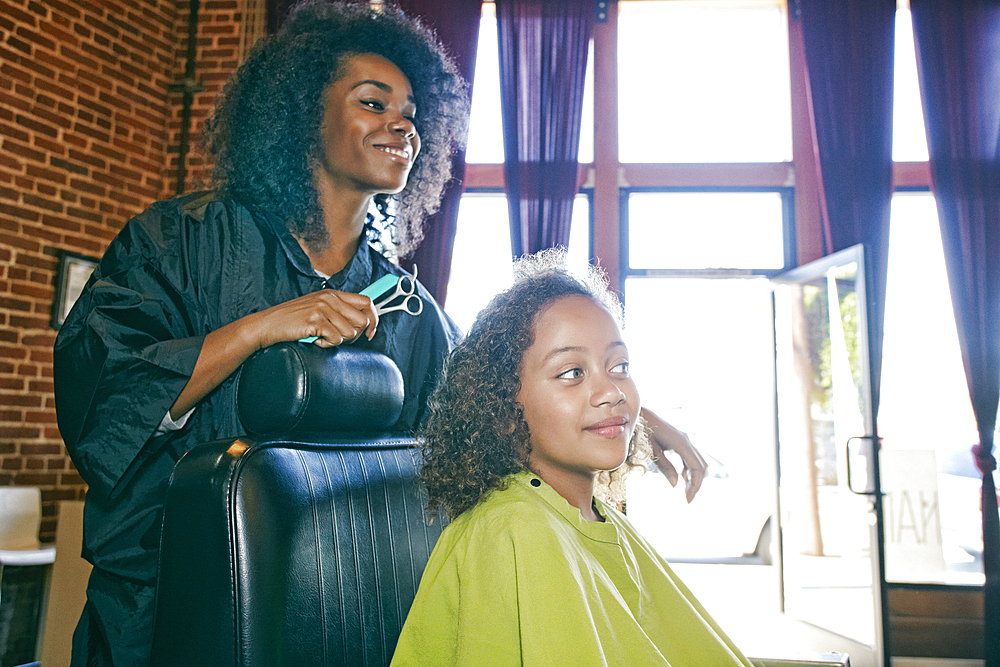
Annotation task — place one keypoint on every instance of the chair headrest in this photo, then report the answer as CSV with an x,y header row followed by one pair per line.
x,y
299,387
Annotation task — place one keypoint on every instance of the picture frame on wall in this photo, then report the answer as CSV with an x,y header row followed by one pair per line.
x,y
72,275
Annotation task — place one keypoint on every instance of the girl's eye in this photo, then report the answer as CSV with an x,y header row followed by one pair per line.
x,y
571,374
620,368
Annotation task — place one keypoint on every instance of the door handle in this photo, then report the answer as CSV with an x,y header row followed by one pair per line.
x,y
869,489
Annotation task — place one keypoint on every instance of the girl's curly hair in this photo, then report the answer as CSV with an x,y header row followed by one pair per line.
x,y
476,435
265,131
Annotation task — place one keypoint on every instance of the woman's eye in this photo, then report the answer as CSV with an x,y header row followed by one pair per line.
x,y
374,104
620,368
571,374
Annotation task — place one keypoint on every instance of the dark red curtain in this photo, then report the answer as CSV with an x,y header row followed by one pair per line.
x,y
849,54
457,25
849,59
543,64
958,49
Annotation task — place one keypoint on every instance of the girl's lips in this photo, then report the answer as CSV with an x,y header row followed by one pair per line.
x,y
609,428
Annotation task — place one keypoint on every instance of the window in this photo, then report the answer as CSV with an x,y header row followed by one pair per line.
x,y
691,208
934,530
706,229
703,82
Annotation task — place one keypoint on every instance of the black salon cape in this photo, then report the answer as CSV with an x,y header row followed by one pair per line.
x,y
177,271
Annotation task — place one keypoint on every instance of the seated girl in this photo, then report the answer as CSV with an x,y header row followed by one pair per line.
x,y
531,429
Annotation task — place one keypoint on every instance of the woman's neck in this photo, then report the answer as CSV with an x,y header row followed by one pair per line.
x,y
344,216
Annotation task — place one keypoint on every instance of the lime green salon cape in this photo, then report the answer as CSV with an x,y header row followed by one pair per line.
x,y
523,579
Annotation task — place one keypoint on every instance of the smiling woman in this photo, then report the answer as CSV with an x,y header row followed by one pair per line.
x,y
319,124
369,140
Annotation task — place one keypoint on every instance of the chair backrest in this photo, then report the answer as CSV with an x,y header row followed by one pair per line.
x,y
20,517
291,550
290,553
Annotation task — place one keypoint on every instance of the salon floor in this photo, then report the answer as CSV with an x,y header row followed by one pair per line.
x,y
744,600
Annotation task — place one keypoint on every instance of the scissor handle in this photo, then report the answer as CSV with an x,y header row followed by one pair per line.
x,y
402,287
410,299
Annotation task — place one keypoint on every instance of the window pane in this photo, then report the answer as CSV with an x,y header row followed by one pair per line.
x,y
934,526
703,82
702,355
481,263
486,124
705,230
909,141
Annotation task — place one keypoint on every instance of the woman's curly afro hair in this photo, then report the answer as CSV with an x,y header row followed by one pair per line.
x,y
476,435
265,131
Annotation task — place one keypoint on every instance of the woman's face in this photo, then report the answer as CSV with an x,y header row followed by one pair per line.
x,y
579,401
369,141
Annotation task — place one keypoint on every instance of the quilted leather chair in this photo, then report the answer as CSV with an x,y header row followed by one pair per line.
x,y
302,544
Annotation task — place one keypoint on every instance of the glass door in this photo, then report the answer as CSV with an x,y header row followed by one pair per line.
x,y
828,488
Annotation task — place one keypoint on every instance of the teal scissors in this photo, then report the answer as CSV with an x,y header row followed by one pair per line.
x,y
411,303
406,287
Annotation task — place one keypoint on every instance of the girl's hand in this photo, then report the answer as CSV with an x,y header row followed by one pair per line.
x,y
663,438
333,317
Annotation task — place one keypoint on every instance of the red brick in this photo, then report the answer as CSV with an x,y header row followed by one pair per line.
x,y
13,304
70,479
33,36
46,339
23,151
29,322
63,8
82,156
46,174
8,130
32,291
25,401
64,37
41,202
35,479
41,417
40,450
18,212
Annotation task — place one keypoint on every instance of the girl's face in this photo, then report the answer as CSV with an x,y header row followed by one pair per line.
x,y
369,141
579,400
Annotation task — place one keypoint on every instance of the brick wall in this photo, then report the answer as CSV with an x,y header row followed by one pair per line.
x,y
88,138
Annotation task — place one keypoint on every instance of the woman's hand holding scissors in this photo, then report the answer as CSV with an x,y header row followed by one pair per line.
x,y
328,317
405,287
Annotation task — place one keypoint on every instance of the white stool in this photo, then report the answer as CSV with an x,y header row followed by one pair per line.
x,y
20,519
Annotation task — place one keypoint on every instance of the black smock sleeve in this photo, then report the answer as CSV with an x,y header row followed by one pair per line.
x,y
127,350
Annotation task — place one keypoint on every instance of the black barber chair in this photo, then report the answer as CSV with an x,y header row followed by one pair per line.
x,y
304,543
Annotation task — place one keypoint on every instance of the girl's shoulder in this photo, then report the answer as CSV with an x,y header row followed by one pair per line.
x,y
512,514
